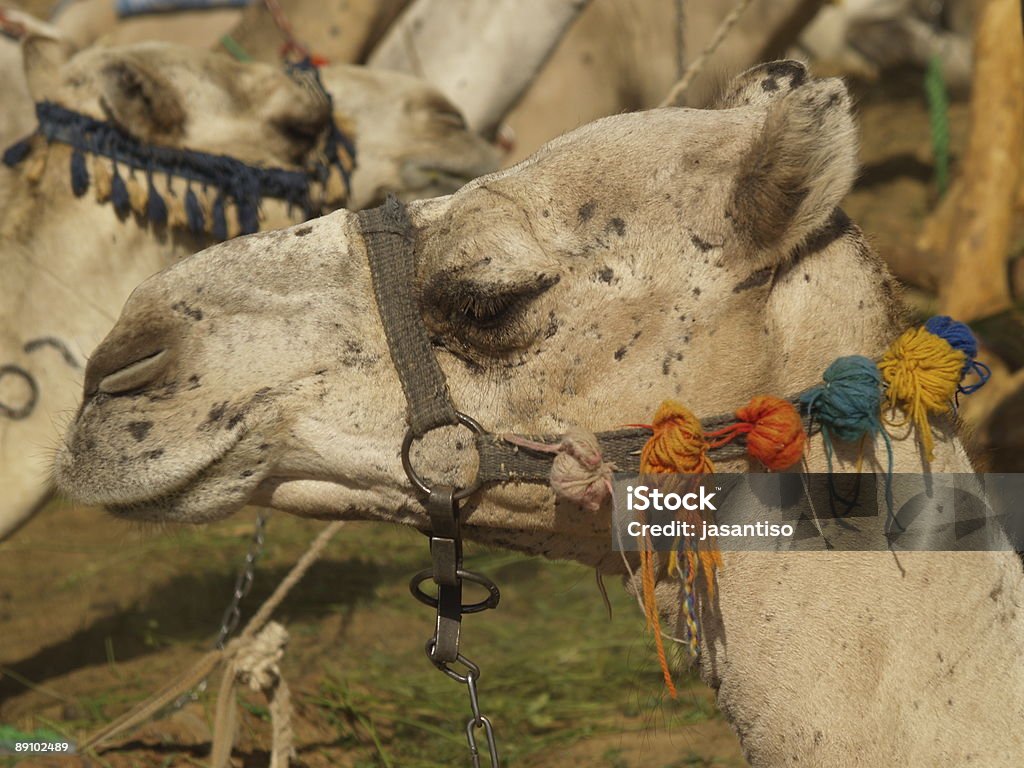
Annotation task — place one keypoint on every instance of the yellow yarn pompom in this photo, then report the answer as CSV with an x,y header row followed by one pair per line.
x,y
678,443
921,372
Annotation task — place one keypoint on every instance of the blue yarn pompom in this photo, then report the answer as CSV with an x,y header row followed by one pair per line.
x,y
17,152
194,213
79,174
156,207
961,338
119,194
956,333
219,228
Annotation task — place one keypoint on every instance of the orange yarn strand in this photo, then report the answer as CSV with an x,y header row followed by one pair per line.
x,y
653,621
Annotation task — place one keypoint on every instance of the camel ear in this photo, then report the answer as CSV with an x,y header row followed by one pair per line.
x,y
762,84
797,170
42,58
142,101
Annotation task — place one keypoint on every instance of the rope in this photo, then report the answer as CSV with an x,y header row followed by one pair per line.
x,y
938,120
235,48
250,644
679,89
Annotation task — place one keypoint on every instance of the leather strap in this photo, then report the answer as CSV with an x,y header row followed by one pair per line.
x,y
390,248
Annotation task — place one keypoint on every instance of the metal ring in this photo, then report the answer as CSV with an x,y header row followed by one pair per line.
x,y
462,493
491,601
472,670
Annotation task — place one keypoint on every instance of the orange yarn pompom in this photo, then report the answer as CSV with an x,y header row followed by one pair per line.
x,y
678,443
774,430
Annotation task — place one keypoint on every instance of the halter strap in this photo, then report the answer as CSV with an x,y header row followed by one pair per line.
x,y
391,251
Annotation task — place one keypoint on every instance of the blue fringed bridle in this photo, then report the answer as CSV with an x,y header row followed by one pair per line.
x,y
245,185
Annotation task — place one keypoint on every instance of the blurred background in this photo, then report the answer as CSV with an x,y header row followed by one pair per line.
x,y
95,614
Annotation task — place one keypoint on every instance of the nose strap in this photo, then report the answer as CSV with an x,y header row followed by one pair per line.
x,y
391,250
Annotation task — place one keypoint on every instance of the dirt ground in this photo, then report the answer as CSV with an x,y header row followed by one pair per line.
x,y
95,614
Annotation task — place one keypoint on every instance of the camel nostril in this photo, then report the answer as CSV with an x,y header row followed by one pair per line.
x,y
134,375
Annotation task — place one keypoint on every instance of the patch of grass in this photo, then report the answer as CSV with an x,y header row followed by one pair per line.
x,y
554,670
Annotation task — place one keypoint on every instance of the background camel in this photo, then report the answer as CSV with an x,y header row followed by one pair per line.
x,y
673,253
78,255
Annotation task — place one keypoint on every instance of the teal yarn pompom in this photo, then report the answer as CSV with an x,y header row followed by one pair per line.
x,y
848,405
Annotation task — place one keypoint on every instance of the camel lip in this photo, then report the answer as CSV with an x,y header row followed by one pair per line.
x,y
140,507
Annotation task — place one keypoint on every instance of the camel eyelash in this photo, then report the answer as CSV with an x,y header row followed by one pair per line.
x,y
487,315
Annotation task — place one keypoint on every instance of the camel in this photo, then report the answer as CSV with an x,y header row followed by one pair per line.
x,y
673,253
409,140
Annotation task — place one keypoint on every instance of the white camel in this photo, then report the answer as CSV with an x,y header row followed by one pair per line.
x,y
70,262
676,253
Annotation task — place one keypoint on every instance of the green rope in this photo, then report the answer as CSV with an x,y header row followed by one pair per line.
x,y
235,48
938,118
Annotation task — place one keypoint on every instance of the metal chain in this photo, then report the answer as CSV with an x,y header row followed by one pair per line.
x,y
243,583
233,613
479,721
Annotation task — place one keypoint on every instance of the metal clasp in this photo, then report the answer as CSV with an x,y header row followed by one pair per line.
x,y
442,505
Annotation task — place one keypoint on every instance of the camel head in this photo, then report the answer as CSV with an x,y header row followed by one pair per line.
x,y
692,254
181,98
412,141
409,140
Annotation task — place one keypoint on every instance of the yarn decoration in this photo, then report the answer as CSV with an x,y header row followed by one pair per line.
x,y
848,403
774,432
960,337
848,407
922,372
246,185
677,445
579,472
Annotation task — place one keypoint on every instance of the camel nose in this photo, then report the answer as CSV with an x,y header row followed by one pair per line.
x,y
127,362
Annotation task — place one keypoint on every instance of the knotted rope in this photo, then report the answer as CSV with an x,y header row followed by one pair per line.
x,y
579,472
252,657
256,664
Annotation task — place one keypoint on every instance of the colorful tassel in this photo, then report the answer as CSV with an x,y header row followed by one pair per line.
x,y
775,433
579,472
922,372
17,152
156,208
193,213
959,336
678,443
79,173
119,197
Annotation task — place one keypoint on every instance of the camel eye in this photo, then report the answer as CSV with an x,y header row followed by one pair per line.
x,y
487,312
488,318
